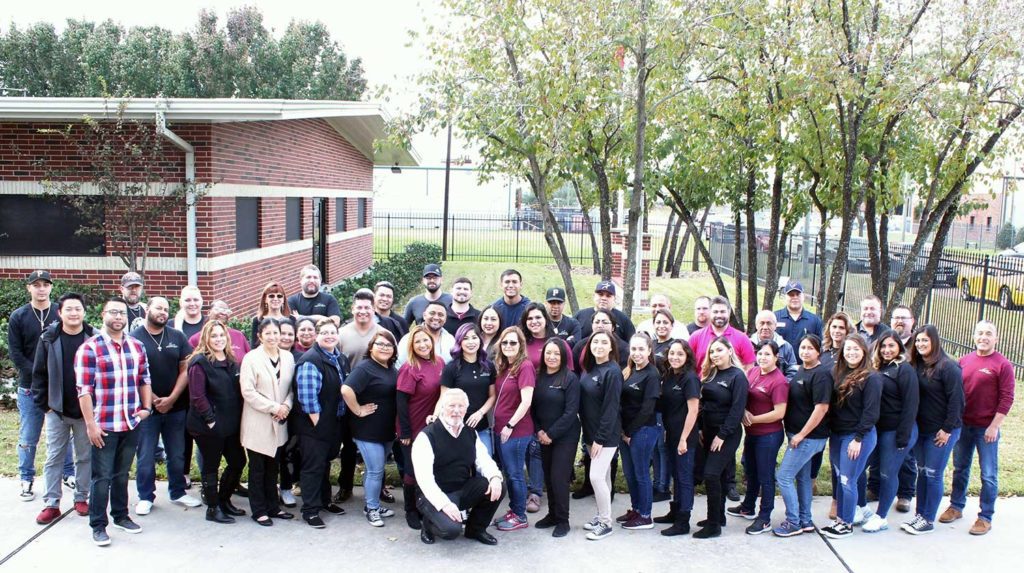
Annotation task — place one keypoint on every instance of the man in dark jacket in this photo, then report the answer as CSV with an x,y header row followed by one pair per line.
x,y
54,392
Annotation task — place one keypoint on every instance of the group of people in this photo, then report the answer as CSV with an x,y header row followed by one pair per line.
x,y
476,404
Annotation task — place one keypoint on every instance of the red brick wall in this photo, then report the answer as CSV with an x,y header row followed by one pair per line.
x,y
349,257
158,283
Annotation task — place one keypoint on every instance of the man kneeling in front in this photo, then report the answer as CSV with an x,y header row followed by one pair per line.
x,y
460,485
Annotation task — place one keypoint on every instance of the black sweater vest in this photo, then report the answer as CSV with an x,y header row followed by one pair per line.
x,y
328,428
454,458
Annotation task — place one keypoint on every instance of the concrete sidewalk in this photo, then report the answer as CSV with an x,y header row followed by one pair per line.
x,y
180,539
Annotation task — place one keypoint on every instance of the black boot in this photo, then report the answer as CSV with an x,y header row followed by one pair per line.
x,y
669,517
708,531
680,526
412,515
229,508
585,490
210,498
216,515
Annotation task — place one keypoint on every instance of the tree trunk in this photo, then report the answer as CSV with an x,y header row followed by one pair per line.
x,y
928,277
737,266
776,240
875,257
684,242
698,244
552,231
594,252
752,266
605,211
668,244
700,235
636,200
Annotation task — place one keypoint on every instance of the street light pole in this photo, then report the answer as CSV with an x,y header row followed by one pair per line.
x,y
447,181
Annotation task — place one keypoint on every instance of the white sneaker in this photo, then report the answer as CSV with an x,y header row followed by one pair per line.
x,y
69,482
26,491
143,507
874,524
288,498
592,524
861,514
186,500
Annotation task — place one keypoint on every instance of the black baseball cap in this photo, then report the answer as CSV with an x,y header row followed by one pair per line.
x,y
432,269
38,276
555,293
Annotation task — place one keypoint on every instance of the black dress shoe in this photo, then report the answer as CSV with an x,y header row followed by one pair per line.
x,y
561,530
228,508
342,496
482,537
426,536
264,522
732,494
216,515
241,491
546,522
283,515
386,496
335,509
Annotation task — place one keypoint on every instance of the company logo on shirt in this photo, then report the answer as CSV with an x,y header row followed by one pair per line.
x,y
723,383
171,345
987,370
762,389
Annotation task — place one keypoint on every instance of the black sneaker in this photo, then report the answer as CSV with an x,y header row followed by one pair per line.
x,y
546,522
732,494
127,525
758,527
661,496
335,509
583,493
342,496
837,530
738,511
314,521
561,530
100,537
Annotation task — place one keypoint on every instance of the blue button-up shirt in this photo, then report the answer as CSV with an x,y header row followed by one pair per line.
x,y
793,330
309,380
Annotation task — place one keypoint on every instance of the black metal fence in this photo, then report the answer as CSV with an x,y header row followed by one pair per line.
x,y
954,304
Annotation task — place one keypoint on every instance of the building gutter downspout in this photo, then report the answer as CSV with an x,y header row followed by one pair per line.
x,y
190,194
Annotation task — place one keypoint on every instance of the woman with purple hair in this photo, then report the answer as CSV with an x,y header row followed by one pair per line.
x,y
471,372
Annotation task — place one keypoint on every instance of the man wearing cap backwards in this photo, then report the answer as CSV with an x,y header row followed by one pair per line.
x,y
25,326
131,292
310,300
795,321
512,302
661,302
604,299
460,311
432,282
566,327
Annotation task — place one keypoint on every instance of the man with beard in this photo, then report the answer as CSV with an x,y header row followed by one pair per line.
x,y
903,323
566,327
721,312
871,325
512,302
54,392
701,314
355,337
112,376
131,291
383,305
432,282
219,310
460,485
604,299
433,319
460,311
311,301
167,351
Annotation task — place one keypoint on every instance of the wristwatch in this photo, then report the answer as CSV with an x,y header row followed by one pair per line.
x,y
510,426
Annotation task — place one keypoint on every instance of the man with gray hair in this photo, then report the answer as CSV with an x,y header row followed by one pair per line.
x,y
219,310
661,302
460,485
765,323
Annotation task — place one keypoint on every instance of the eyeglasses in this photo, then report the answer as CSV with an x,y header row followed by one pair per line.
x,y
601,322
510,343
116,312
383,345
275,295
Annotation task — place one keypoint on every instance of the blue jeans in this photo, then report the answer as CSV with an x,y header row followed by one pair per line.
x,y
683,467
535,468
513,461
110,465
172,427
795,480
971,438
759,455
662,460
375,456
30,423
636,465
890,466
931,464
849,470
487,437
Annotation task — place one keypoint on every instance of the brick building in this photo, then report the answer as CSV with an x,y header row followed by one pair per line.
x,y
286,183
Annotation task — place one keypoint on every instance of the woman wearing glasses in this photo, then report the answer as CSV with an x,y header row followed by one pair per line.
x,y
369,393
273,304
515,381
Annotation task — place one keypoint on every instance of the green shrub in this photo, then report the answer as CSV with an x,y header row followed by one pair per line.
x,y
403,270
1005,236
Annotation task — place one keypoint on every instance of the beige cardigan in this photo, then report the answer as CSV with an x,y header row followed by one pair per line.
x,y
262,394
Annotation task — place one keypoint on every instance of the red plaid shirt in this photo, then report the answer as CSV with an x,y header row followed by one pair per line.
x,y
112,373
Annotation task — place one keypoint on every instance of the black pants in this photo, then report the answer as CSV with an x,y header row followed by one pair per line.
x,y
315,476
715,466
908,476
189,440
472,498
289,463
698,464
213,449
557,460
346,477
263,484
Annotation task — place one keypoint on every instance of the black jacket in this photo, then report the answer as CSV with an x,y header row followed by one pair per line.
x,y
48,369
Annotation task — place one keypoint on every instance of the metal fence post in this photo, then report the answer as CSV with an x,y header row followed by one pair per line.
x,y
984,288
389,235
518,224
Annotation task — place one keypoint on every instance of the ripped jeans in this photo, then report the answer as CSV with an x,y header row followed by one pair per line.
x,y
849,470
931,465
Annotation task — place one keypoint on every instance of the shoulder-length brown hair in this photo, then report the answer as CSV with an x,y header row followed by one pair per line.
x,y
502,364
848,378
413,358
826,343
271,288
203,347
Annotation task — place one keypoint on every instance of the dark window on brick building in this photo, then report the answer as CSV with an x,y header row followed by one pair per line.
x,y
247,225
27,224
340,213
361,214
293,219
